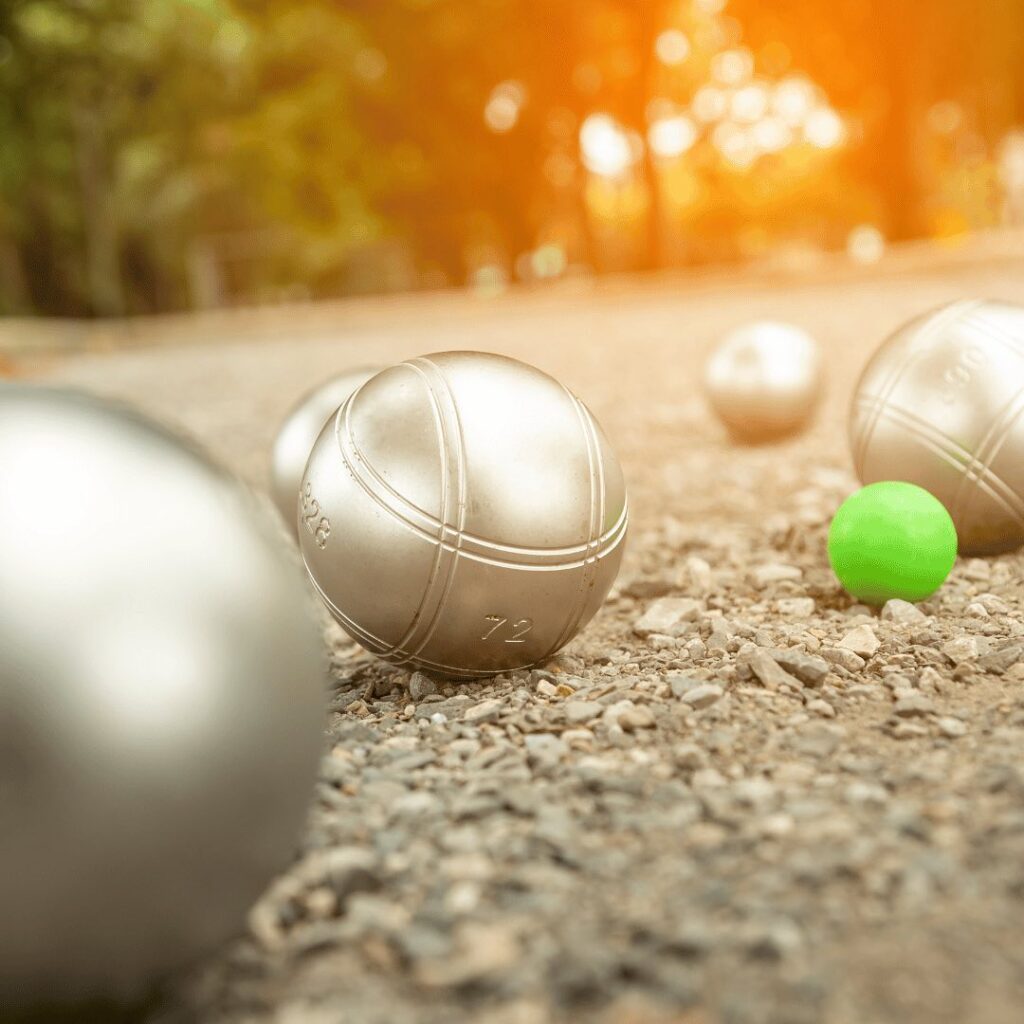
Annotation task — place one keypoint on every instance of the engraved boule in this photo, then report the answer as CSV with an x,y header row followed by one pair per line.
x,y
300,429
764,380
162,685
941,405
463,513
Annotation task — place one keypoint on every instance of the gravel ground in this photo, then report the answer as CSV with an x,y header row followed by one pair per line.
x,y
736,798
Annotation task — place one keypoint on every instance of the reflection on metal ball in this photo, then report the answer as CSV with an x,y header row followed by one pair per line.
x,y
941,405
161,701
463,513
300,429
764,380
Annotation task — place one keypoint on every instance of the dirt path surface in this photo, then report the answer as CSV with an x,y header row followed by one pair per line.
x,y
661,828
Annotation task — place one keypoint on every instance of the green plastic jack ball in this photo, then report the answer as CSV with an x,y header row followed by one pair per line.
x,y
892,540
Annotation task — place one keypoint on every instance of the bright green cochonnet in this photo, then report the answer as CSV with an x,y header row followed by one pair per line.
x,y
889,540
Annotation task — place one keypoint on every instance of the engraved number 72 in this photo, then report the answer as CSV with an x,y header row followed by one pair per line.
x,y
519,629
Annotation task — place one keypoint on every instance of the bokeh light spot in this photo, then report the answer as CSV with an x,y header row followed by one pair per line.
x,y
672,136
732,67
824,128
749,103
709,103
672,47
607,148
865,244
502,111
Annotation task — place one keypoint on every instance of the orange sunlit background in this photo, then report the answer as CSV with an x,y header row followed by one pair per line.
x,y
163,155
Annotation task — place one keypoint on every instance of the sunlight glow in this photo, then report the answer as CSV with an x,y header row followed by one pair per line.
x,y
749,103
672,47
824,128
945,117
732,67
709,104
793,99
501,114
736,144
548,261
672,136
607,148
772,134
865,244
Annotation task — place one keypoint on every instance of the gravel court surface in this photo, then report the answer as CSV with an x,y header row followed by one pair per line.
x,y
736,798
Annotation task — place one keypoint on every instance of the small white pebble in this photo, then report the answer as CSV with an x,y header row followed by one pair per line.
x,y
822,708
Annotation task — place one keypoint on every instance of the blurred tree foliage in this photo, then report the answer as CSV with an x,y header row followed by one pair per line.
x,y
166,154
103,173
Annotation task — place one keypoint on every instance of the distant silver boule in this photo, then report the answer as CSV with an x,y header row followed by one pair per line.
x,y
764,380
161,701
300,429
463,513
941,405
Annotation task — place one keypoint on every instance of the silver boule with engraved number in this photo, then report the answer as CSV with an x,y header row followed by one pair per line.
x,y
162,701
764,380
463,513
299,431
941,405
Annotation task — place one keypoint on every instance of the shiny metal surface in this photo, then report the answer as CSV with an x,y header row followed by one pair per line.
x,y
463,513
299,431
161,700
764,380
941,405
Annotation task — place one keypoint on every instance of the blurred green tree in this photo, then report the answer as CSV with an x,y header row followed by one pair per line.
x,y
160,154
100,169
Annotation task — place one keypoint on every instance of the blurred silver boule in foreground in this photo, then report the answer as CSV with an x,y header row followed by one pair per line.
x,y
300,429
764,380
941,405
463,513
161,701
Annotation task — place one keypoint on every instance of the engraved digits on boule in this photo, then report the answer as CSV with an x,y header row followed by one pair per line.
x,y
519,629
958,376
498,623
318,526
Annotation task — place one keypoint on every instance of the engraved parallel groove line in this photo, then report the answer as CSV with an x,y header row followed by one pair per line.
x,y
941,319
953,454
995,332
458,457
602,501
370,642
460,671
998,432
923,429
398,648
365,637
987,449
356,464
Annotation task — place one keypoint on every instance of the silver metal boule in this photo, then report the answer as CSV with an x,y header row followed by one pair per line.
x,y
764,380
941,405
162,701
300,429
463,513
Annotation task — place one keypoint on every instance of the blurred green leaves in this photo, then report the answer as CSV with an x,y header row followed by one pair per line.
x,y
142,139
